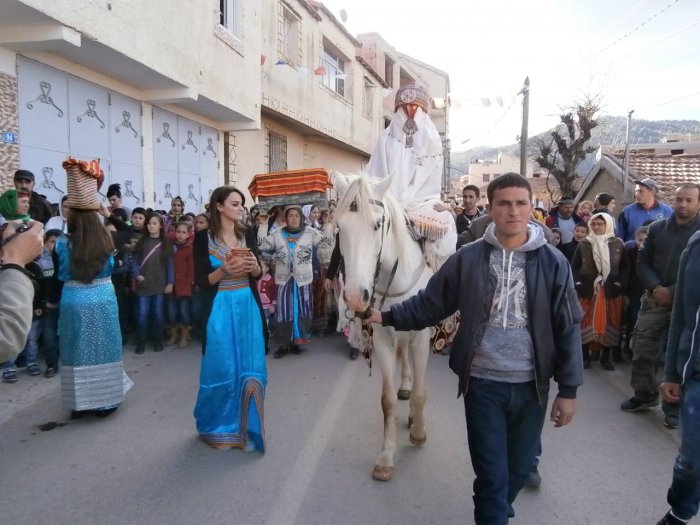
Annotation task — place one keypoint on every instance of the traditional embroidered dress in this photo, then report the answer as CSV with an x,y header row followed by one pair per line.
x,y
229,411
601,259
92,374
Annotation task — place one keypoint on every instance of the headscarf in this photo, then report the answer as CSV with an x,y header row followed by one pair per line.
x,y
288,228
8,205
306,211
599,243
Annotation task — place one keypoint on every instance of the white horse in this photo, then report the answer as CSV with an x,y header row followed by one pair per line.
x,y
383,266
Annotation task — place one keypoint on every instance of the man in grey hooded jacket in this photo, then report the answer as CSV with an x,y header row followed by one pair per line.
x,y
520,326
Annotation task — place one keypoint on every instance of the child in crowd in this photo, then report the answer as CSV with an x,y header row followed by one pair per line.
x,y
635,288
569,248
201,222
152,271
44,320
585,210
180,300
138,221
268,293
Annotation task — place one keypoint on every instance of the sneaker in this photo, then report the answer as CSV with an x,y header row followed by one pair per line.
x,y
671,421
533,480
670,519
33,369
9,376
635,405
51,371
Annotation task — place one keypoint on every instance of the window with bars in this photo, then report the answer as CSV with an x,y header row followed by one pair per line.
x,y
335,75
277,152
485,177
230,16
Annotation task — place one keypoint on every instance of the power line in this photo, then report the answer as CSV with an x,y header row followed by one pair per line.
x,y
628,33
676,99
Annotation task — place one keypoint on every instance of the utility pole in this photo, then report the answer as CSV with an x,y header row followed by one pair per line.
x,y
625,159
523,132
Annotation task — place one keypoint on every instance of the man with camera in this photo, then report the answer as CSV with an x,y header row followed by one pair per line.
x,y
21,243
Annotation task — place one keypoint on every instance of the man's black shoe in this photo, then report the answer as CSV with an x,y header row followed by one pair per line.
x,y
51,371
670,519
296,349
281,352
671,421
635,405
533,480
140,348
354,353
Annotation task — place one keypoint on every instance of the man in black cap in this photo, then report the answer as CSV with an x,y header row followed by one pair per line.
x,y
564,219
646,207
39,208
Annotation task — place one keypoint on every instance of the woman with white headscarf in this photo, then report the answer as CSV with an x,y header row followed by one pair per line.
x,y
600,270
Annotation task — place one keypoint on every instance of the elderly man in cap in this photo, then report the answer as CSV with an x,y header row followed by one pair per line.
x,y
646,207
39,208
409,151
563,218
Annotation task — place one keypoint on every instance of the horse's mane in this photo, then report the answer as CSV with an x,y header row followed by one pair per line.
x,y
359,194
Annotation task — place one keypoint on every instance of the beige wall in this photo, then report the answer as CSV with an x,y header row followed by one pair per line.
x,y
179,39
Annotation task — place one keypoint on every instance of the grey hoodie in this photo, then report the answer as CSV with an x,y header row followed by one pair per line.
x,y
505,353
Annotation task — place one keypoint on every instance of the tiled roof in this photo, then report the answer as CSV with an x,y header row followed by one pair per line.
x,y
669,171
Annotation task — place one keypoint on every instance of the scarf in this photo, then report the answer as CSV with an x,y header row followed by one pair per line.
x,y
8,206
287,227
599,243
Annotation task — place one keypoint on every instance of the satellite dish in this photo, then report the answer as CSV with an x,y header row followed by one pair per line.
x,y
343,15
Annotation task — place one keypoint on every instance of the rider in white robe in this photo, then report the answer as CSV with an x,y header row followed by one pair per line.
x,y
410,152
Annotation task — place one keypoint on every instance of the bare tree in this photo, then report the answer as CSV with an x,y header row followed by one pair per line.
x,y
565,147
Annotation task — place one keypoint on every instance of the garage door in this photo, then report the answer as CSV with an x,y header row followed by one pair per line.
x,y
61,115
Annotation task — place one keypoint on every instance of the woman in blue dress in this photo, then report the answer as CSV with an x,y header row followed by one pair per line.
x,y
92,375
233,375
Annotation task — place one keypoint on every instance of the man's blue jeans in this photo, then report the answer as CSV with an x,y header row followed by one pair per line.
x,y
150,306
684,494
504,424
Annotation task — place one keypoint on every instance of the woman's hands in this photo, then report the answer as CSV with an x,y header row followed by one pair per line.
x,y
237,265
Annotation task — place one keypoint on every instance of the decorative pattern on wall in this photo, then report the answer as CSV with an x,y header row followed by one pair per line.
x,y
47,182
129,185
45,98
166,134
210,147
126,123
9,121
189,142
91,113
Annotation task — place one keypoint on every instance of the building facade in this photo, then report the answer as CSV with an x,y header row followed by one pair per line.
x,y
177,98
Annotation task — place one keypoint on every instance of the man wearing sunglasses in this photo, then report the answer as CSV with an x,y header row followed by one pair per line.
x,y
21,244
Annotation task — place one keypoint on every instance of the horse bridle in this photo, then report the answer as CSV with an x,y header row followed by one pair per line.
x,y
378,265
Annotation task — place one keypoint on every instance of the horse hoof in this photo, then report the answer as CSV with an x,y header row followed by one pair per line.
x,y
410,422
417,442
403,394
382,473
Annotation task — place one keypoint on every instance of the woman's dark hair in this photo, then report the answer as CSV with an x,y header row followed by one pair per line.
x,y
114,189
120,213
219,196
165,248
141,211
90,244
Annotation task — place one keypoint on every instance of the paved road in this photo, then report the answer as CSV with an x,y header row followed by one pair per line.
x,y
145,464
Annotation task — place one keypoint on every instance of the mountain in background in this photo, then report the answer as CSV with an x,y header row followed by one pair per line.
x,y
609,132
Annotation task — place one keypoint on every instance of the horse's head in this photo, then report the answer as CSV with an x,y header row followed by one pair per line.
x,y
362,218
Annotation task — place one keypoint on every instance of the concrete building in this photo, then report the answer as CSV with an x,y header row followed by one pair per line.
x,y
177,98
148,87
321,103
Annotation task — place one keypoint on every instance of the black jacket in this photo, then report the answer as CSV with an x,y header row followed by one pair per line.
x,y
39,208
465,284
682,352
657,261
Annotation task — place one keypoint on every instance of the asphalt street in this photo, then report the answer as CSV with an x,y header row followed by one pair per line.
x,y
145,464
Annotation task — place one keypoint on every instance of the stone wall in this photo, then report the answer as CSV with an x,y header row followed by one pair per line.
x,y
9,121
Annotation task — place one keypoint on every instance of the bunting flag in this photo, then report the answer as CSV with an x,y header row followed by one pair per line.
x,y
320,71
280,62
302,71
342,76
262,60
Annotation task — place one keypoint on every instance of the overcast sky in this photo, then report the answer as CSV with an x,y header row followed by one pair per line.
x,y
639,54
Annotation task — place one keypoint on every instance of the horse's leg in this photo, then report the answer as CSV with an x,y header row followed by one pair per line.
x,y
406,371
384,353
419,352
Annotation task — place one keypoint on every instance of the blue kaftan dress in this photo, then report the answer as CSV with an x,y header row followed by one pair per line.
x,y
92,374
233,375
